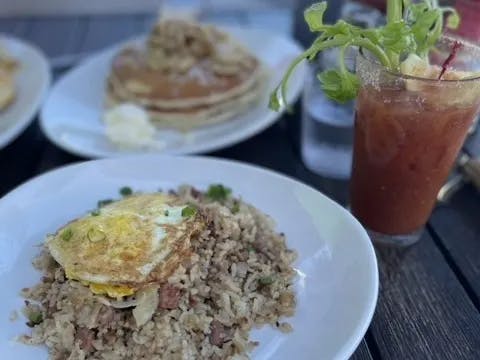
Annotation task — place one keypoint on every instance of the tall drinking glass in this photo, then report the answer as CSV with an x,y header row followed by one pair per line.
x,y
408,132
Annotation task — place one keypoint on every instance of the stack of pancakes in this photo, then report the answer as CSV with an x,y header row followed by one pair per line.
x,y
186,75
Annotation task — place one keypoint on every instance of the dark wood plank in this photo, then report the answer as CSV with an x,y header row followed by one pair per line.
x,y
106,30
362,352
8,25
57,35
457,227
19,159
423,311
53,157
473,143
14,26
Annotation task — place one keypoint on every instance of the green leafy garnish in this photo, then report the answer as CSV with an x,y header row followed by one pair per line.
x,y
102,203
314,16
274,102
166,213
66,234
95,212
412,28
266,280
35,318
218,192
235,207
125,191
339,86
424,20
189,211
397,38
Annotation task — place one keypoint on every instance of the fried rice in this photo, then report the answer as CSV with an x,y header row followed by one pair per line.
x,y
240,276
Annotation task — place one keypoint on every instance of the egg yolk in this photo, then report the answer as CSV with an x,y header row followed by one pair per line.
x,y
114,291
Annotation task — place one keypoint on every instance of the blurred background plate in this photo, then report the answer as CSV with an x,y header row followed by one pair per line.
x,y
32,82
71,116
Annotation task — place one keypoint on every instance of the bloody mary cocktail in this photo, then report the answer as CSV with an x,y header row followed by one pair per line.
x,y
408,132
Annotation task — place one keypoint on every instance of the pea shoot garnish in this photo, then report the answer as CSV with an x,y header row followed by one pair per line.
x,y
235,207
266,280
218,192
66,234
126,191
34,318
189,211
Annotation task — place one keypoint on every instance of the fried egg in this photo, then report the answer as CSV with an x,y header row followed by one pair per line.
x,y
127,244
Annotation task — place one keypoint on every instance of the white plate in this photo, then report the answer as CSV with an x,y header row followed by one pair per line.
x,y
32,81
71,116
338,282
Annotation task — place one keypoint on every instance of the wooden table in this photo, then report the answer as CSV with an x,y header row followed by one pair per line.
x,y
429,304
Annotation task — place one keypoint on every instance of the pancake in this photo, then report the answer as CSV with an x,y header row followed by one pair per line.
x,y
191,117
200,85
7,89
186,75
8,67
128,244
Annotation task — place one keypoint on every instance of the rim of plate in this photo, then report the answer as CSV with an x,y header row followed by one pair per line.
x,y
229,139
8,136
359,331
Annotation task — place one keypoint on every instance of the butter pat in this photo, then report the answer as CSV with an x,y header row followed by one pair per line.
x,y
128,126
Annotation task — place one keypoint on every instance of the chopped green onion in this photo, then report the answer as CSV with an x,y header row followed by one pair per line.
x,y
235,207
96,235
35,317
166,213
218,192
95,212
102,203
67,234
189,211
125,191
266,280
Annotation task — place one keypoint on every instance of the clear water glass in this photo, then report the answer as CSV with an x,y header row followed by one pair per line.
x,y
327,131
